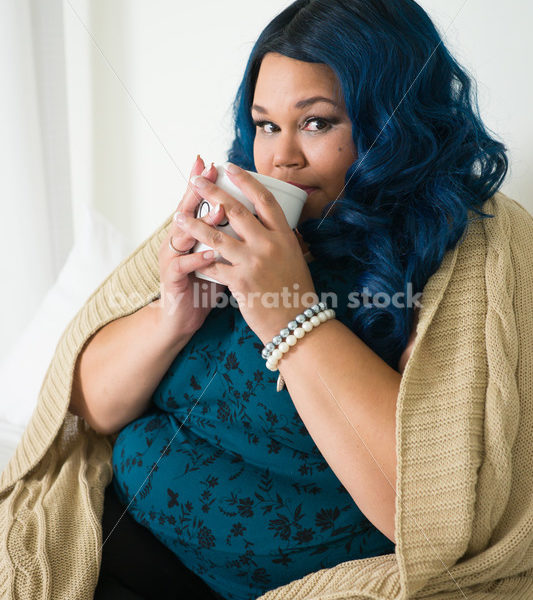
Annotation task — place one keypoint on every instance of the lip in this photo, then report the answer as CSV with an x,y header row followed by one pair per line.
x,y
305,188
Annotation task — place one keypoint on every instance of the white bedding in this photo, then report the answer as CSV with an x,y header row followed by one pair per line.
x,y
99,250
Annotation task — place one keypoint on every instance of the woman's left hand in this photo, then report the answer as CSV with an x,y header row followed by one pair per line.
x,y
267,260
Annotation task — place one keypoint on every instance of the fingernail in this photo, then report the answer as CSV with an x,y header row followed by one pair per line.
x,y
179,218
196,164
205,172
231,168
217,208
199,181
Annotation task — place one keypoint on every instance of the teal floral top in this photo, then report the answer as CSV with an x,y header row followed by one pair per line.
x,y
223,471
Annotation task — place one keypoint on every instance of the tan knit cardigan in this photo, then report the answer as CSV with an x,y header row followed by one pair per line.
x,y
464,435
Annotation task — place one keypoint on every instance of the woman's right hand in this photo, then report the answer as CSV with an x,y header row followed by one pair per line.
x,y
182,311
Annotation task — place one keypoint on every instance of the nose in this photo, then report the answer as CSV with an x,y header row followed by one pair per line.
x,y
287,152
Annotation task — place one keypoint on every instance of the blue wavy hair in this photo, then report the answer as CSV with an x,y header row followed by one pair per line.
x,y
424,156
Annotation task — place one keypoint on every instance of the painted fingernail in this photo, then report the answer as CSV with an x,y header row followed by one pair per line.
x,y
205,172
199,181
231,168
179,218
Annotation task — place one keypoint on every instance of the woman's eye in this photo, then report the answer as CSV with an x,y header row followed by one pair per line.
x,y
261,124
323,124
317,120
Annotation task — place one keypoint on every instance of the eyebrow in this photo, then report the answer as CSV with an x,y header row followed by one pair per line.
x,y
301,104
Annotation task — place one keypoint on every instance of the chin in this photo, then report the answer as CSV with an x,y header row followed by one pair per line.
x,y
308,213
313,207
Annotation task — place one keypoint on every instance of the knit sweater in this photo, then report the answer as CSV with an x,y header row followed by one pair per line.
x,y
464,439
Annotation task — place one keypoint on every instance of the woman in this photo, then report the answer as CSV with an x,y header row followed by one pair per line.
x,y
232,488
306,113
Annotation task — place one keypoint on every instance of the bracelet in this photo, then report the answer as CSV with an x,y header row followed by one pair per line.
x,y
295,330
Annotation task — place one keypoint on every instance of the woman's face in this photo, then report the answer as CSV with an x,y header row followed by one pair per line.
x,y
309,145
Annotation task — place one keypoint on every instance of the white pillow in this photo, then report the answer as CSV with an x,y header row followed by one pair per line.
x,y
99,249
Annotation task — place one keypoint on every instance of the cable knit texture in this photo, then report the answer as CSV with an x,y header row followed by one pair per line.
x,y
464,435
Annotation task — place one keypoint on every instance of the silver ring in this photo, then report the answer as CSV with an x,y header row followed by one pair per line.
x,y
175,250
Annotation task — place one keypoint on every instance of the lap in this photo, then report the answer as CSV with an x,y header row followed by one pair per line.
x,y
137,566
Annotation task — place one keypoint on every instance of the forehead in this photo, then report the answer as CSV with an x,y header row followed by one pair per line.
x,y
282,78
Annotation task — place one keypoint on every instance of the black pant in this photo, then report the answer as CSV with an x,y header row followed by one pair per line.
x,y
137,566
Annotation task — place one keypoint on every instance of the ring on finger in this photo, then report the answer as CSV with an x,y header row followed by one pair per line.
x,y
175,250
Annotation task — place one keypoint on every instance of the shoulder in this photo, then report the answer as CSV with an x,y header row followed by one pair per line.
x,y
492,263
492,243
508,236
508,277
504,203
512,221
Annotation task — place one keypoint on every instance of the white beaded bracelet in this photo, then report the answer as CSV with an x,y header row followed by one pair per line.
x,y
291,339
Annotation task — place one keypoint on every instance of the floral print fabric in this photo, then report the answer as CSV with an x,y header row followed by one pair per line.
x,y
224,472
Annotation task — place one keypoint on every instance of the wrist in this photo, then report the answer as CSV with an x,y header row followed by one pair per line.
x,y
279,320
296,329
173,334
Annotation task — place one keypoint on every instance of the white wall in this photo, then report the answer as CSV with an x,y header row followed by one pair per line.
x,y
182,62
32,124
177,70
493,41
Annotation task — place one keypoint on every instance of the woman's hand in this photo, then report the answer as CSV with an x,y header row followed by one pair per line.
x,y
181,313
266,260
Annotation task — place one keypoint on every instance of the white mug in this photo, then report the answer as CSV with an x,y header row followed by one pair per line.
x,y
290,198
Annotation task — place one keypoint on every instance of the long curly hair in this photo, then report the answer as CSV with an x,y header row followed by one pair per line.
x,y
425,157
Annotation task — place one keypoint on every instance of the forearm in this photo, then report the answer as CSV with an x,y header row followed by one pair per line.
x,y
329,367
119,369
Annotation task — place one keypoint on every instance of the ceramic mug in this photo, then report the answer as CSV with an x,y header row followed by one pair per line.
x,y
289,197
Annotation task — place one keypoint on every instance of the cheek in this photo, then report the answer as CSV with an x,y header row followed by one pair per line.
x,y
332,166
341,157
337,151
260,156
